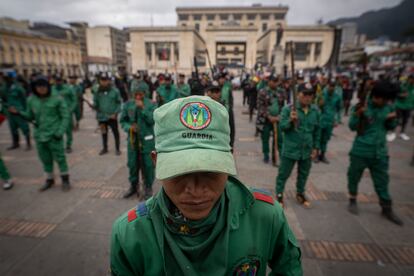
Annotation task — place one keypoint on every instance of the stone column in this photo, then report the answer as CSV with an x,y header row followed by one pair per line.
x,y
172,54
153,62
312,54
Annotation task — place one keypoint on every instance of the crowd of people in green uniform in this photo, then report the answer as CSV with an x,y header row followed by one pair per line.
x,y
182,133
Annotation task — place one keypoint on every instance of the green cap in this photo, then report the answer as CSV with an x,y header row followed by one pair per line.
x,y
192,134
140,87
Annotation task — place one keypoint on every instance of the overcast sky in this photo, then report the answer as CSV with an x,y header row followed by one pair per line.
x,y
123,13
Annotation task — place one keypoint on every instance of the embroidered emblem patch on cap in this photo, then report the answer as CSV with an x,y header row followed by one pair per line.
x,y
195,115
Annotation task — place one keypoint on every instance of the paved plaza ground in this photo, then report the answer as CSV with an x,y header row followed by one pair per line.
x,y
57,233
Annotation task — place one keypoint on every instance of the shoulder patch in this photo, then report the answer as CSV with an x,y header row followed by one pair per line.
x,y
142,209
263,197
132,215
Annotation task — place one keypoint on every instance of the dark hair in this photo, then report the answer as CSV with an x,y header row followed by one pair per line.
x,y
385,89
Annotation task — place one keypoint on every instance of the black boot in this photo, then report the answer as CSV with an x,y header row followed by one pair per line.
x,y
15,143
132,191
279,198
317,159
388,213
103,151
323,158
28,143
148,193
47,185
302,200
65,182
353,207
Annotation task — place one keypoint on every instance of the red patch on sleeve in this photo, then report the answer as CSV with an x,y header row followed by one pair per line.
x,y
263,197
132,215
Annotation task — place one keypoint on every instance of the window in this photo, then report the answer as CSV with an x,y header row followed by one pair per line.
x,y
176,51
210,24
224,16
237,16
184,25
183,17
210,17
279,16
197,16
318,50
162,50
264,27
251,24
264,16
223,50
197,27
301,50
251,16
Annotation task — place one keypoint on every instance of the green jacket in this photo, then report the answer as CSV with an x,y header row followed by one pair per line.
x,y
299,142
405,103
372,143
78,90
68,95
16,96
184,90
107,102
165,94
50,114
227,96
144,119
330,108
256,230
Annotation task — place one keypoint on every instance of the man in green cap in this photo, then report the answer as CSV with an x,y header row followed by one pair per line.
x,y
369,150
107,103
4,173
166,92
268,110
77,89
203,221
183,89
330,105
138,81
50,115
138,122
15,95
300,125
68,95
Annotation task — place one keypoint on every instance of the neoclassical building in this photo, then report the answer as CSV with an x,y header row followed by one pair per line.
x,y
237,37
27,51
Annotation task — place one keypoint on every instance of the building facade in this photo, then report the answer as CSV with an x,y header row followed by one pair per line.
x,y
235,37
106,48
26,51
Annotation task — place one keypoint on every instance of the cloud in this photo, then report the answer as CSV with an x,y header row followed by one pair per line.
x,y
123,13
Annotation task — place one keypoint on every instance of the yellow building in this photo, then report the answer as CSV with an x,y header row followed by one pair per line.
x,y
235,37
27,51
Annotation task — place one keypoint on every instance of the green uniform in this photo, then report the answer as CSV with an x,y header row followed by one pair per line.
x,y
52,117
140,144
184,90
70,98
339,91
241,236
369,149
166,94
16,97
262,84
107,102
79,94
4,173
267,104
298,144
406,103
329,115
